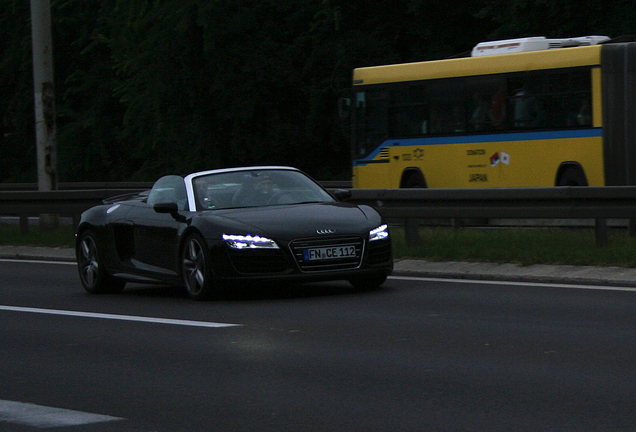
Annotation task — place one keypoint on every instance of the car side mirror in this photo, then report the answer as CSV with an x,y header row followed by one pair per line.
x,y
342,194
166,207
169,207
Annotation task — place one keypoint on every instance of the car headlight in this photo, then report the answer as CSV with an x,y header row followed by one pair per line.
x,y
380,233
249,242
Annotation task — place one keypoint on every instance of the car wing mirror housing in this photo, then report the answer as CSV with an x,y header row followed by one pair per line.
x,y
169,207
342,194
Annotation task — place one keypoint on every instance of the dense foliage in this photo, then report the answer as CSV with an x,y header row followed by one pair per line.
x,y
149,87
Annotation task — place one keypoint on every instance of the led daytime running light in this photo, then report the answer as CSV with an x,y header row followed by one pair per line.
x,y
249,242
379,233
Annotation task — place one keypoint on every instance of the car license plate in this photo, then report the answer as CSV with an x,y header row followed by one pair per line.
x,y
329,253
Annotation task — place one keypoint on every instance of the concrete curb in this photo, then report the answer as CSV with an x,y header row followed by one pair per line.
x,y
566,274
37,253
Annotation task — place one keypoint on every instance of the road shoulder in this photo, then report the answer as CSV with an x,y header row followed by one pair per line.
x,y
568,274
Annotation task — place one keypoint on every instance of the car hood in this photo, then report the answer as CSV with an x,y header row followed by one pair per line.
x,y
299,220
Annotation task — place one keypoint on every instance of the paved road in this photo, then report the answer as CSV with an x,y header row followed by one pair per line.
x,y
417,355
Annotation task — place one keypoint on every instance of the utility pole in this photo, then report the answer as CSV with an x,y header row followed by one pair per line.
x,y
44,92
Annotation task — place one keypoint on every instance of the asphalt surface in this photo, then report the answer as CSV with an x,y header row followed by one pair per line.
x,y
565,274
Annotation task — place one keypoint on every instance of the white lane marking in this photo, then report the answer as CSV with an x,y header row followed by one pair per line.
x,y
517,283
119,317
47,417
37,261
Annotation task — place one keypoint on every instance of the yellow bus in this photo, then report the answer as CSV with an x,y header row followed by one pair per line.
x,y
530,112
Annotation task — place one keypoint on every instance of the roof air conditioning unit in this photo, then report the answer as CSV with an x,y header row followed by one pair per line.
x,y
538,43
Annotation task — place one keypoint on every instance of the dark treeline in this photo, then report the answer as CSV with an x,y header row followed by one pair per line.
x,y
149,87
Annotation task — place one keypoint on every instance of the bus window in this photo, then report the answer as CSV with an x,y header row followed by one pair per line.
x,y
570,94
549,100
487,104
447,112
408,111
526,101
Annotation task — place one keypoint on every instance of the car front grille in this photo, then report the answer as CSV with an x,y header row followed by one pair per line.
x,y
298,248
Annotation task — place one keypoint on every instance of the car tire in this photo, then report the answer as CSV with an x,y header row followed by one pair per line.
x,y
368,282
93,275
196,268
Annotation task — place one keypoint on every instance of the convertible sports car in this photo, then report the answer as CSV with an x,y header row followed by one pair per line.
x,y
212,228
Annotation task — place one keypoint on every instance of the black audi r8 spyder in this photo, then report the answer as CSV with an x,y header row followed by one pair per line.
x,y
209,229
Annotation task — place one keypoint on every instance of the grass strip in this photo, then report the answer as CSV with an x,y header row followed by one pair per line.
x,y
63,236
574,246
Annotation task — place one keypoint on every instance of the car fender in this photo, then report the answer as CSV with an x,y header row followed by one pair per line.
x,y
372,215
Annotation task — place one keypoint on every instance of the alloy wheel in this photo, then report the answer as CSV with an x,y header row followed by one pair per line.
x,y
88,262
194,267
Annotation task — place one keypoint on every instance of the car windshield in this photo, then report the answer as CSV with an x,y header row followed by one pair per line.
x,y
256,188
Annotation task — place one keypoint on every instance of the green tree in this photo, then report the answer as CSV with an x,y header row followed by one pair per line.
x,y
89,114
559,18
17,137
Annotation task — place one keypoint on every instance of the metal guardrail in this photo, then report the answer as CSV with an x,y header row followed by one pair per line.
x,y
79,186
133,186
23,199
598,203
408,205
63,203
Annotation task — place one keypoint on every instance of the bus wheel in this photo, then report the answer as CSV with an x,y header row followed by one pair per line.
x,y
414,180
572,176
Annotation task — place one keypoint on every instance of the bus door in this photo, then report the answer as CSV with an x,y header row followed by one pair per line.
x,y
370,149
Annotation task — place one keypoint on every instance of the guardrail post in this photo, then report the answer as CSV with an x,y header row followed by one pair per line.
x,y
601,231
457,223
76,220
412,231
24,225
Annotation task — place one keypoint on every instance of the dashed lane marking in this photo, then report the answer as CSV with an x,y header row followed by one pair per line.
x,y
168,321
47,417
